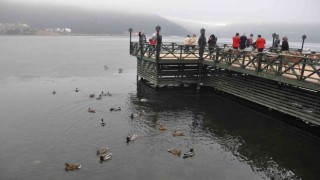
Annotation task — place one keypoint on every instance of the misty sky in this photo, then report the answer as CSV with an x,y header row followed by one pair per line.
x,y
209,12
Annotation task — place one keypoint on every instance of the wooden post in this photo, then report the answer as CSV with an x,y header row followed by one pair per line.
x,y
303,67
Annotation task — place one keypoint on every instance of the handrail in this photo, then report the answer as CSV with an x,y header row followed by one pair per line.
x,y
302,67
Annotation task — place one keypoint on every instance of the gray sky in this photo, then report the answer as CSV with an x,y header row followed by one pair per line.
x,y
209,12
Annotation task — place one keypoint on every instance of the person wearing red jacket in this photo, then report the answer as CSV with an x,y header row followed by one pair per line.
x,y
260,43
236,41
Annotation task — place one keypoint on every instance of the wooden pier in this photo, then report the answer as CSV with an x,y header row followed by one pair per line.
x,y
284,82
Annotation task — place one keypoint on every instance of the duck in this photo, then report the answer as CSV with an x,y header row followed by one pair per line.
x,y
131,138
133,115
188,154
105,67
109,94
140,113
115,109
102,150
100,97
102,122
105,157
72,166
54,92
92,95
162,127
77,90
103,94
91,110
177,133
174,151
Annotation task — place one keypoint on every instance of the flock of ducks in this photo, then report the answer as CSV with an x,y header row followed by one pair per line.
x,y
102,152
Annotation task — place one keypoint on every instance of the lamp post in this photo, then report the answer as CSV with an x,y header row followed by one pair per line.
x,y
303,38
158,28
273,37
130,31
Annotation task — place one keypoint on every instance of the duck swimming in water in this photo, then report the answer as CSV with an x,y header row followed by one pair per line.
x,y
91,110
140,113
131,138
115,109
91,95
188,154
178,133
77,90
100,97
109,94
134,115
174,151
105,157
72,166
54,92
162,127
102,122
102,150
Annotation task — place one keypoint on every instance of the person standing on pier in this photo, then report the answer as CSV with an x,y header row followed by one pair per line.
x,y
202,42
193,41
142,38
276,42
236,41
187,43
249,41
153,43
260,43
243,40
212,43
285,44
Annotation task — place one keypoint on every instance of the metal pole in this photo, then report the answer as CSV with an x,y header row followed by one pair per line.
x,y
303,38
130,31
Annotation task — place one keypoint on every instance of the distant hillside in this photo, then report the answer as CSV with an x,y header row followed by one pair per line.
x,y
83,21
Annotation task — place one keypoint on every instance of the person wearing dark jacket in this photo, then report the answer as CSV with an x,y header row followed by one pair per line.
x,y
212,43
202,42
285,44
243,40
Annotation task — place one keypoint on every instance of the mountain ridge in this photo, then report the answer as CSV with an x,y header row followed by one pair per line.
x,y
86,21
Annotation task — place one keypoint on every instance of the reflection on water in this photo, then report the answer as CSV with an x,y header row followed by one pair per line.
x,y
268,146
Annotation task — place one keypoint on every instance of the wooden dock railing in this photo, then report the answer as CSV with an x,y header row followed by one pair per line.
x,y
303,68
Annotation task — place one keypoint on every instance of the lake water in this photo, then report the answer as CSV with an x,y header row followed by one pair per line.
x,y
40,131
